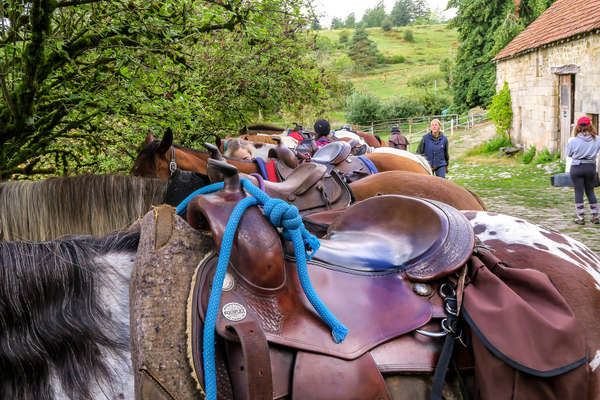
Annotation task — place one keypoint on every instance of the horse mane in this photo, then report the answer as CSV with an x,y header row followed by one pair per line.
x,y
87,204
64,332
262,127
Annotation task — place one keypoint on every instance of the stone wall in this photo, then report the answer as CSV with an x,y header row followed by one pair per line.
x,y
534,89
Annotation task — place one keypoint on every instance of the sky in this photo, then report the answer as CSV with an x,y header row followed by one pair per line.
x,y
341,8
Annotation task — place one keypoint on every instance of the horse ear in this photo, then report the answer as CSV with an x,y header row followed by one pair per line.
x,y
218,141
149,138
166,142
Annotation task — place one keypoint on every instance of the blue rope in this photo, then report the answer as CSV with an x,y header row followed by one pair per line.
x,y
282,215
369,164
182,207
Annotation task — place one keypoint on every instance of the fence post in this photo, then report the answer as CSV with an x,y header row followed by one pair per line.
x,y
472,121
452,127
410,126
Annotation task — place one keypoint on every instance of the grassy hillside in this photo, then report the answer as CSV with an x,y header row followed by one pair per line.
x,y
431,44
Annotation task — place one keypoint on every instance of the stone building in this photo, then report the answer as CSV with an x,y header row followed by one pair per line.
x,y
553,73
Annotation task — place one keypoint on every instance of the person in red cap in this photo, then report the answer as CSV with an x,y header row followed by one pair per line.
x,y
583,149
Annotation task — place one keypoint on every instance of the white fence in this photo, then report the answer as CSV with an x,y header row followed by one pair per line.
x,y
414,128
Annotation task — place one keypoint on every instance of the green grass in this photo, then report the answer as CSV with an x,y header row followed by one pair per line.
x,y
432,43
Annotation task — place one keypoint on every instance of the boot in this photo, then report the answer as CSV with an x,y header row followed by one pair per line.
x,y
595,220
580,220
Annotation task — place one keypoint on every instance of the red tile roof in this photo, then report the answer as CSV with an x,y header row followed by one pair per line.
x,y
563,19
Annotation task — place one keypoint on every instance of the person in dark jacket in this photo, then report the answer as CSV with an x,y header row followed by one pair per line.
x,y
434,147
398,140
322,130
583,149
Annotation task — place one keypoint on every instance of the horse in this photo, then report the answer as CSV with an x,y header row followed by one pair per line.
x,y
417,185
66,320
154,158
87,204
404,153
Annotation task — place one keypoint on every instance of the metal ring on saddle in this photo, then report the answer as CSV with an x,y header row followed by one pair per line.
x,y
444,287
432,334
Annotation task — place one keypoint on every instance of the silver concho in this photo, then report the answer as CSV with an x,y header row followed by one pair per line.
x,y
228,282
423,289
234,311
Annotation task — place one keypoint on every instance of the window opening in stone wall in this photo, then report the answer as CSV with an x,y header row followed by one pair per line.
x,y
594,118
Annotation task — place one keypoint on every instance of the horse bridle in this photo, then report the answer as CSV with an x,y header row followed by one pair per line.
x,y
172,163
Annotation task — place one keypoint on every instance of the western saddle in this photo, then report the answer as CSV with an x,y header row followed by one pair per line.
x,y
337,155
368,271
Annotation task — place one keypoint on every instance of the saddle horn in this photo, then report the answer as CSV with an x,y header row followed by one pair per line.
x,y
220,170
214,151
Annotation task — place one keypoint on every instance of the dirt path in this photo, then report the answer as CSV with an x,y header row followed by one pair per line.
x,y
531,197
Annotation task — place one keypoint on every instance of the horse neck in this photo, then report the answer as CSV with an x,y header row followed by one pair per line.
x,y
195,160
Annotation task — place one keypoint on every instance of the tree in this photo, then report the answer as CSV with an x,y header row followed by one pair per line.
x,y
374,16
401,12
315,25
481,26
386,25
501,111
350,21
363,51
420,10
336,23
83,81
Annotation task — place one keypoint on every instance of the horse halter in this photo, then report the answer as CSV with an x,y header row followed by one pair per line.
x,y
172,163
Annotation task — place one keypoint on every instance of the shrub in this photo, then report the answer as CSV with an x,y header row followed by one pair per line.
x,y
386,24
528,155
344,37
545,156
408,36
362,108
435,101
398,59
501,111
380,58
401,107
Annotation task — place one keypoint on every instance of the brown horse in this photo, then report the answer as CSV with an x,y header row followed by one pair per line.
x,y
417,185
372,140
154,159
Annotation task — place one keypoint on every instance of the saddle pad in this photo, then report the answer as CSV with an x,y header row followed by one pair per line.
x,y
379,309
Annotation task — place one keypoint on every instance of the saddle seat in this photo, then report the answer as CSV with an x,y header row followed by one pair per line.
x,y
332,153
386,234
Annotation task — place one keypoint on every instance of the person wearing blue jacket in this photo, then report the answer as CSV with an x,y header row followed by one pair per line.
x,y
583,149
434,147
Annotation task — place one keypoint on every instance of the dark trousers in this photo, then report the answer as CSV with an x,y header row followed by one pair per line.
x,y
584,179
440,171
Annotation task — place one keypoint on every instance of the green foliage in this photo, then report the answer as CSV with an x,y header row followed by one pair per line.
x,y
528,156
363,51
490,146
501,111
397,59
336,23
401,13
386,24
315,25
344,37
435,101
484,28
544,157
374,16
408,36
401,107
446,67
350,21
427,80
93,79
362,108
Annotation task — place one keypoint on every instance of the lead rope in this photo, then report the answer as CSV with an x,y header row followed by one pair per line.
x,y
281,215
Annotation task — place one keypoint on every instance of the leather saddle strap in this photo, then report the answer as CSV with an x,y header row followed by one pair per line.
x,y
256,360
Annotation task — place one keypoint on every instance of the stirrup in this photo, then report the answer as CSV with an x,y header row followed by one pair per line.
x,y
579,220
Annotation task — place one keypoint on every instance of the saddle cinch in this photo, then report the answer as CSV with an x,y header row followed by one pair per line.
x,y
368,271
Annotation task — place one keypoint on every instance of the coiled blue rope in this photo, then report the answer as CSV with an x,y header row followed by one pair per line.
x,y
282,215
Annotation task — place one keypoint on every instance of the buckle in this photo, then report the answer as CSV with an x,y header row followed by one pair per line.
x,y
172,167
446,290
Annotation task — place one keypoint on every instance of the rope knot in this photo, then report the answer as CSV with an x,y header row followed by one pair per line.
x,y
283,215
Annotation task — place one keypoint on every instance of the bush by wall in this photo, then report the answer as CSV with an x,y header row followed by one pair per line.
x,y
528,155
501,111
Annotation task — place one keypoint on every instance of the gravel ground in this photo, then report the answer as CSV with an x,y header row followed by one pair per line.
x,y
544,205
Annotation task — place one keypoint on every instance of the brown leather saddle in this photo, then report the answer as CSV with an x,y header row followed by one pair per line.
x,y
366,272
337,155
309,187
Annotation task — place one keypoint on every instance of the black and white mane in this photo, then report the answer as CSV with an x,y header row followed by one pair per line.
x,y
64,318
